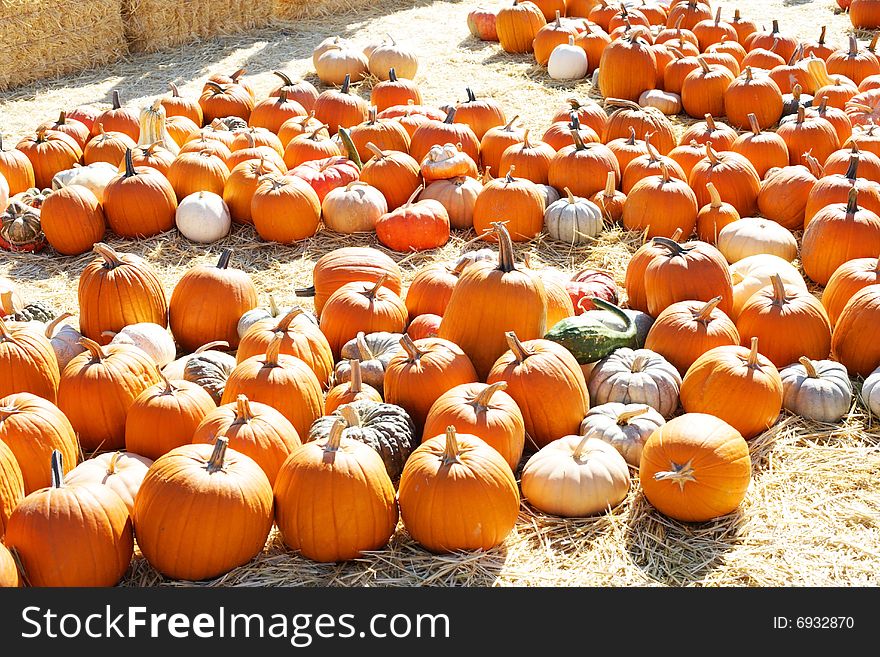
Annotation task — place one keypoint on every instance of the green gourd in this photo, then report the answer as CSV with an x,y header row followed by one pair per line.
x,y
590,339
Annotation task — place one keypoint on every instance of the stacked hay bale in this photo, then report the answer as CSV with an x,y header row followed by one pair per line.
x,y
48,39
154,25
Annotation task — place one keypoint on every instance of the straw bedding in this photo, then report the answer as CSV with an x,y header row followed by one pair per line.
x,y
812,513
45,39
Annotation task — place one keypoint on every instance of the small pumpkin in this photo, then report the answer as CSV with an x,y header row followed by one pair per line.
x,y
373,351
571,220
153,339
816,389
626,427
121,472
206,366
638,376
350,391
203,217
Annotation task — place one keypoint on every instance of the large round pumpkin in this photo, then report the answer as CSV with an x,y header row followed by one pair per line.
x,y
457,493
193,501
856,342
11,485
140,202
736,384
90,521
27,361
348,265
695,468
33,428
334,499
846,280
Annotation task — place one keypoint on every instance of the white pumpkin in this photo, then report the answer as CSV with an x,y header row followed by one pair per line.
x,y
391,54
251,317
203,217
567,61
755,236
338,61
121,472
639,376
573,220
665,101
64,340
354,208
575,476
95,177
4,193
550,194
152,339
871,392
626,427
754,272
816,389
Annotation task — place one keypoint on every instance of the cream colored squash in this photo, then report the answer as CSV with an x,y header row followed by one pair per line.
x,y
152,339
64,339
573,220
95,177
626,427
153,130
338,61
121,472
871,392
754,272
203,217
755,236
638,376
816,389
575,476
665,101
391,54
567,61
251,317
354,208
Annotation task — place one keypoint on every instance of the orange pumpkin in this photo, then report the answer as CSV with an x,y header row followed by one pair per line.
x,y
27,361
49,152
517,25
703,90
765,150
115,290
394,91
672,194
350,391
748,96
784,193
714,216
855,343
846,280
139,203
808,134
627,68
285,209
107,147
530,160
448,131
737,385
339,108
395,174
430,290
121,472
385,134
733,175
152,155
11,486
177,105
515,200
272,112
119,118
243,181
197,172
16,167
9,577
583,168
497,140
721,135
610,201
695,468
479,115
634,280
415,225
72,220
219,100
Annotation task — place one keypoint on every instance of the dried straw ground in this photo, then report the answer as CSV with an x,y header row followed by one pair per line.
x,y
812,514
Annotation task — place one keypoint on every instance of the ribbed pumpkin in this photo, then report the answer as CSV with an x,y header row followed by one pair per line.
x,y
753,273
340,108
681,272
836,234
394,91
197,172
11,486
118,289
695,467
749,95
846,280
672,194
853,63
207,303
634,279
789,321
836,188
140,202
734,177
393,173
342,482
531,160
313,145
479,115
714,216
350,391
181,129
686,330
33,428
430,290
703,90
478,316
348,265
165,416
737,385
765,150
498,139
709,130
627,68
583,168
414,226
855,342
9,575
808,134
253,429
107,147
90,521
119,118
517,25
27,361
457,493
458,196
152,155
538,372
386,134
98,388
72,219
285,209
283,382
784,193
17,169
437,133
687,155
121,472
227,495
49,152
627,149
648,164
627,114
240,187
483,410
221,100
559,134
71,127
677,70
837,163
514,200
302,338
754,236
177,105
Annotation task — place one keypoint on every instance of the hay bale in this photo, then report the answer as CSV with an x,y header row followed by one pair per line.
x,y
44,39
291,10
155,25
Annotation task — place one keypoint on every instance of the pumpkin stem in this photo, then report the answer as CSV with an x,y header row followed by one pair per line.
x,y
526,143
450,116
748,71
714,196
471,97
356,383
852,205
169,389
778,290
509,177
710,123
506,261
578,453
223,262
578,142
350,148
114,460
211,345
114,99
51,326
711,154
704,65
509,126
450,455
678,474
284,324
853,46
216,462
346,84
801,114
809,366
520,351
625,416
334,440
571,199
350,415
674,248
243,411
754,126
704,315
57,466
610,185
411,348
363,348
373,291
482,401
752,360
129,164
273,351
852,171
94,349
664,173
822,35
286,79
375,150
